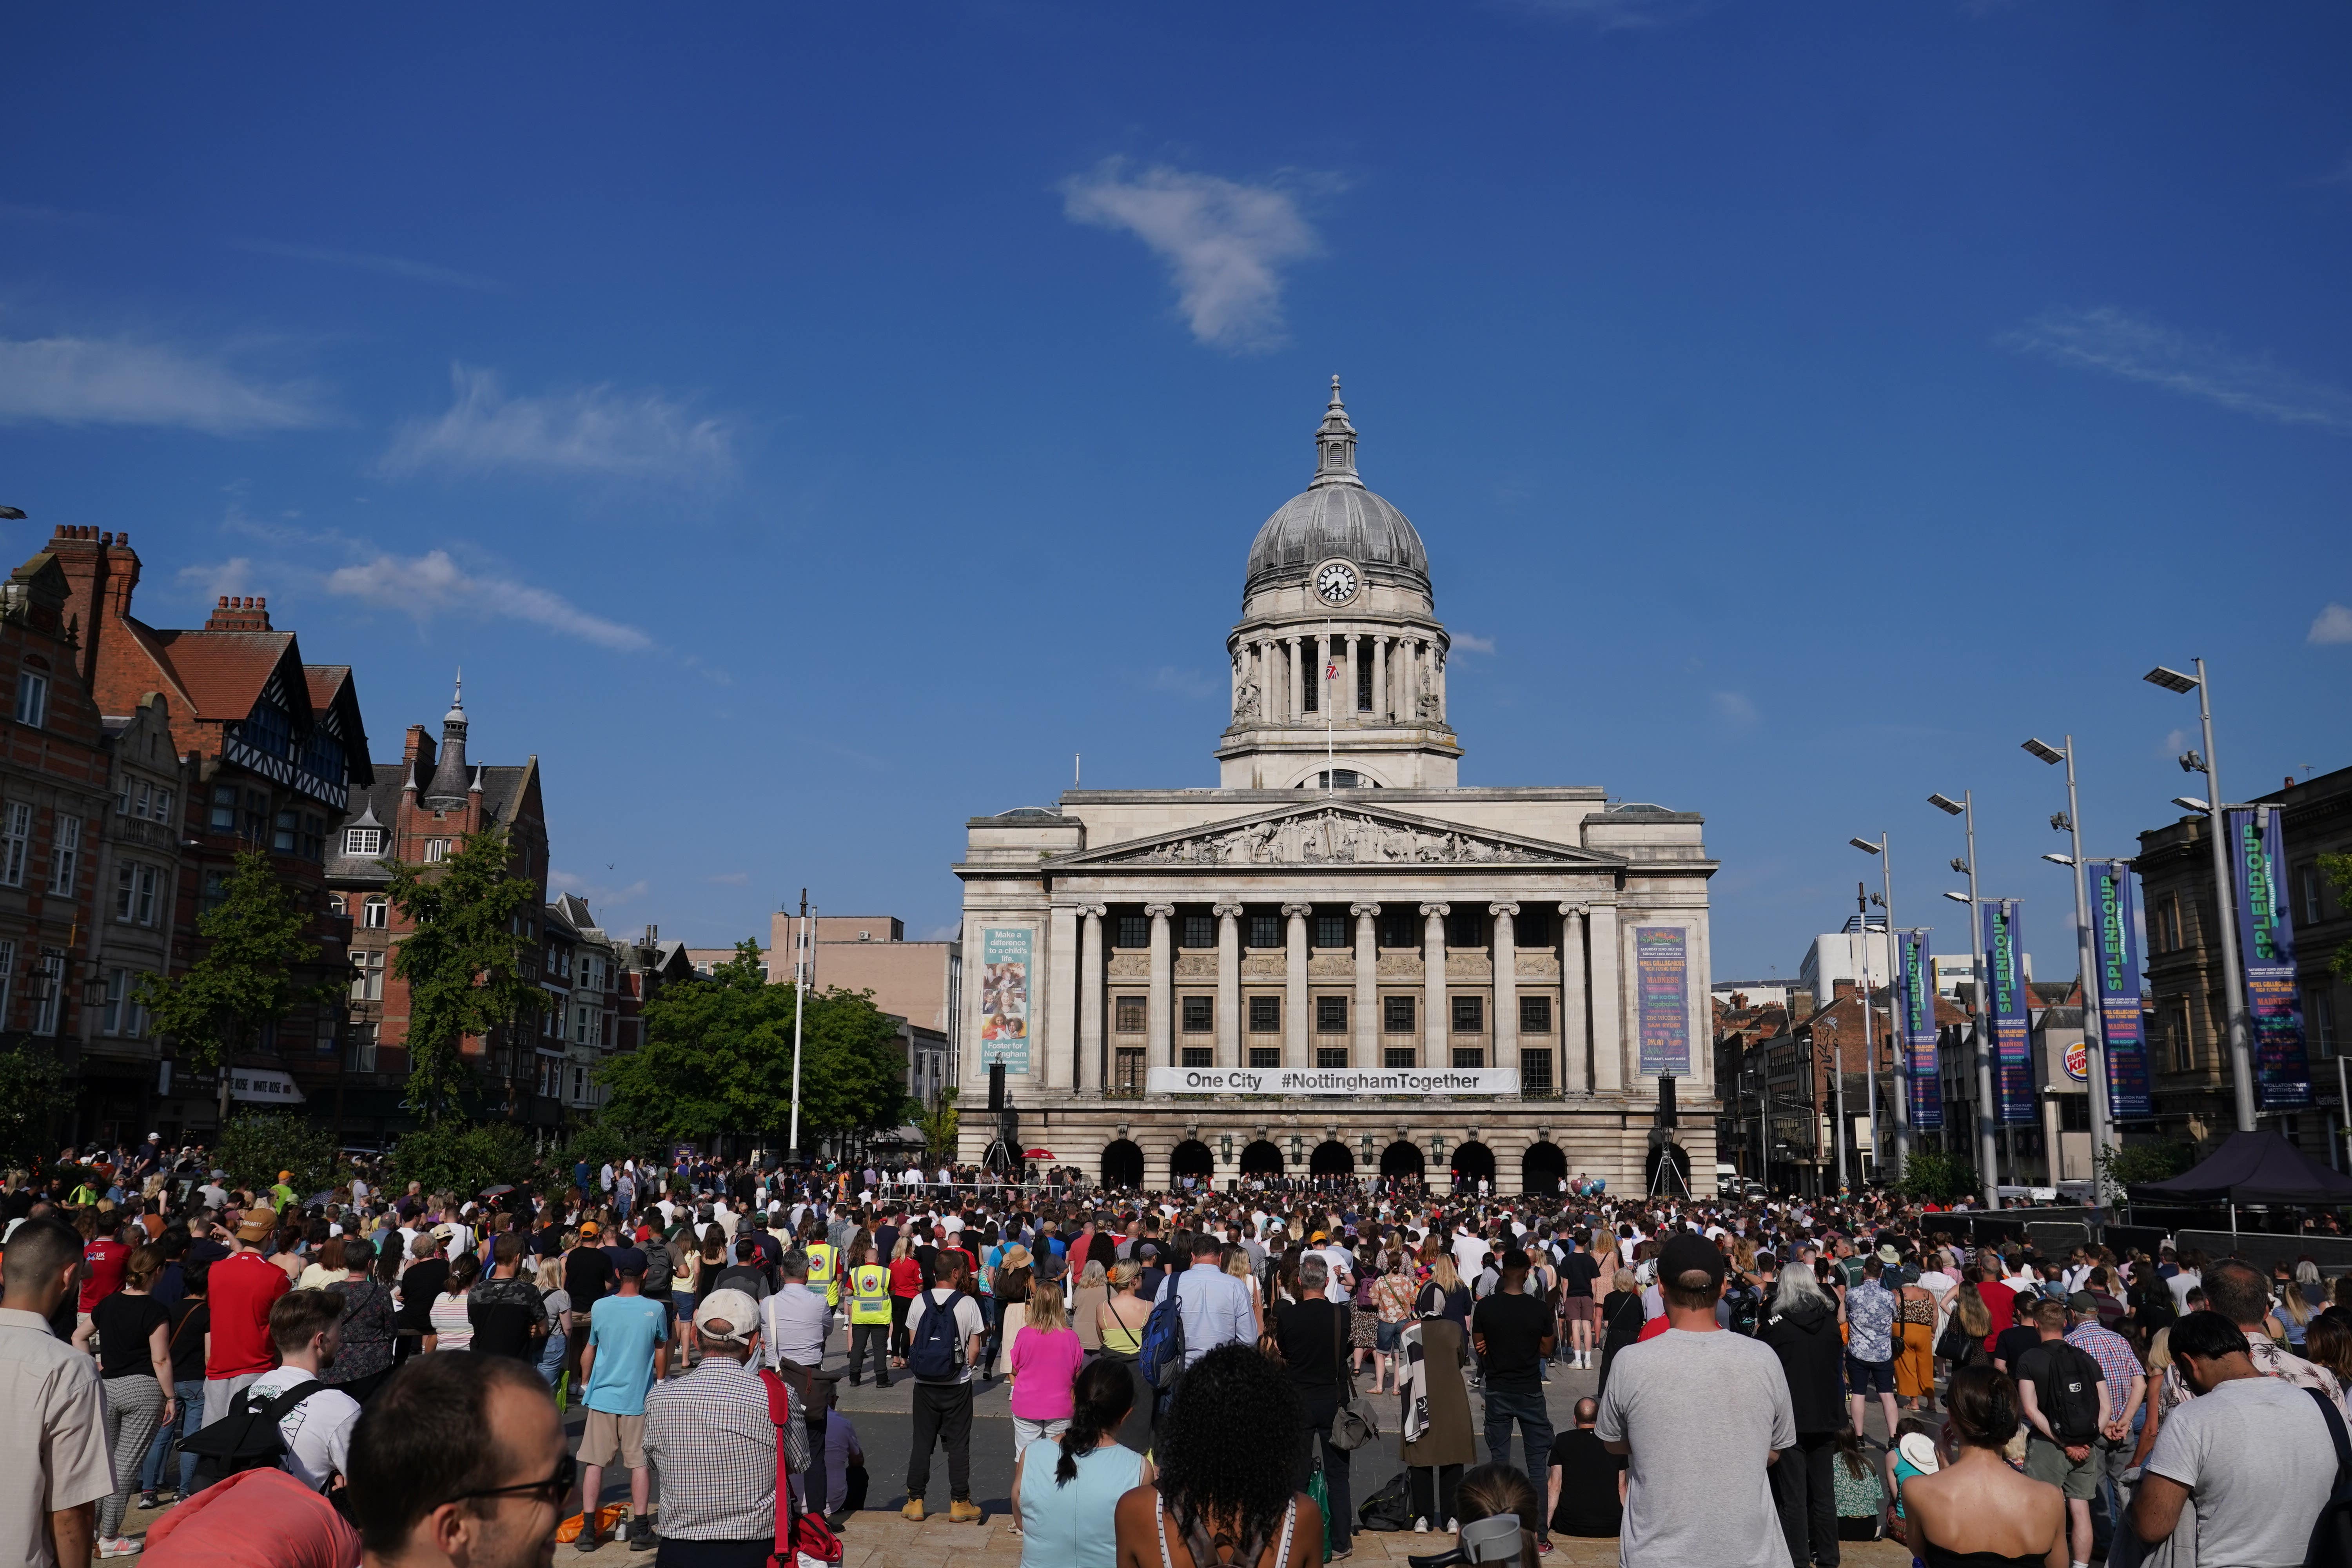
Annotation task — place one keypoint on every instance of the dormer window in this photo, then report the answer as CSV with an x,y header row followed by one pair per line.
x,y
363,841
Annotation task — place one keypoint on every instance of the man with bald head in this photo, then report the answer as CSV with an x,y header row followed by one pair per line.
x,y
1588,1481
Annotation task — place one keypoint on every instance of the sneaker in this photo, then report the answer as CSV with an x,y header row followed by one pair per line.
x,y
1453,1526
589,1540
147,1499
117,1546
1421,1527
640,1535
963,1511
913,1510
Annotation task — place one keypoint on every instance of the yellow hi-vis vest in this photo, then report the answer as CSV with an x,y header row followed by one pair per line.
x,y
869,1294
823,1257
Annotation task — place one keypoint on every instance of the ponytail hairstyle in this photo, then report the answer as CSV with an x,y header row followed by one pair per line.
x,y
1983,1406
1100,1398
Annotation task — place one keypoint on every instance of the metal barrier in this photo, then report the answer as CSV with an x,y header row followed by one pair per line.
x,y
2265,1250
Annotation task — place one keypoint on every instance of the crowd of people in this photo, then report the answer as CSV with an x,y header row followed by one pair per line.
x,y
395,1372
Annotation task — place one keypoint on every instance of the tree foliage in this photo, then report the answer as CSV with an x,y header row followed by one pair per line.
x,y
245,977
938,1125
717,1057
463,960
256,1146
2337,868
33,1094
1939,1176
2124,1165
461,1158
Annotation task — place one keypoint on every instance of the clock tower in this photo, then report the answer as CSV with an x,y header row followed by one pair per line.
x,y
1339,660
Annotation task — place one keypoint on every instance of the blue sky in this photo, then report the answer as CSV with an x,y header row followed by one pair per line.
x,y
809,427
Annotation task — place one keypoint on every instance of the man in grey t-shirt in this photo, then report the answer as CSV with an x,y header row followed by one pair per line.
x,y
1700,1413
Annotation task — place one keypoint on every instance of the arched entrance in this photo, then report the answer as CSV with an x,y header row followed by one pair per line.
x,y
1472,1162
1122,1164
1191,1158
1543,1170
1261,1159
1332,1158
1402,1159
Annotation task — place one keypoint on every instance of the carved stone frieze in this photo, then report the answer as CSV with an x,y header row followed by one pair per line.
x,y
1469,966
1331,966
1400,966
1130,966
1539,966
1333,837
1267,965
1196,966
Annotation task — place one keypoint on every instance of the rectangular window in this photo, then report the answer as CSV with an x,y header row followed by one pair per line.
x,y
584,1022
361,1046
144,910
1127,1071
1331,930
363,841
2168,920
374,913
1265,1056
7,980
435,851
139,800
1469,1056
15,844
122,796
367,974
65,859
1532,927
1129,1013
286,838
1398,1057
1535,1071
48,994
1330,1056
163,806
1134,931
32,699
1200,931
126,890
314,836
2307,882
1200,1015
1265,1015
118,985
1396,1016
214,892
2319,1012
2184,1050
224,818
1330,1014
1466,928
1469,1014
1534,1016
1400,927
1266,932
1195,1057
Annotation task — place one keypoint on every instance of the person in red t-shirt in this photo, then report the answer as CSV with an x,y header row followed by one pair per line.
x,y
104,1259
2000,1301
241,1289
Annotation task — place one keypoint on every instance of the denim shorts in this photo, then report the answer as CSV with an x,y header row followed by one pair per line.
x,y
1385,1337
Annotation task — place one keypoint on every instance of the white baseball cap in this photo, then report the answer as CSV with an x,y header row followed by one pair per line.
x,y
733,1307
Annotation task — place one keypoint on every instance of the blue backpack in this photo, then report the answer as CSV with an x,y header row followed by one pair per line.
x,y
937,1354
1161,1354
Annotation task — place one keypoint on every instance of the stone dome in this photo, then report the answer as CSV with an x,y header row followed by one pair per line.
x,y
1337,515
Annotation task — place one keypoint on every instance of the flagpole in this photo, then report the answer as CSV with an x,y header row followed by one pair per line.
x,y
1330,748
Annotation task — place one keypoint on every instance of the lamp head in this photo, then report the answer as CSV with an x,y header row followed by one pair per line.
x,y
2170,679
1946,805
2048,753
2190,762
1958,898
1865,845
1959,865
2059,859
2190,803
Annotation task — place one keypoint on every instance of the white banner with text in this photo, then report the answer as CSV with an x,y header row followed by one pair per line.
x,y
1387,1081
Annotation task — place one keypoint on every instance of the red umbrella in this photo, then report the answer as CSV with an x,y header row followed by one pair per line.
x,y
1036,1153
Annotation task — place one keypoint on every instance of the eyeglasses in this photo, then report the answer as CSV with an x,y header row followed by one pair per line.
x,y
551,1492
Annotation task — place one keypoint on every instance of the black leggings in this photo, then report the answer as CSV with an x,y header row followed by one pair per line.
x,y
1441,1479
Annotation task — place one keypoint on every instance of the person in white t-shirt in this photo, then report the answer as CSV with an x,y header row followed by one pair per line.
x,y
305,1325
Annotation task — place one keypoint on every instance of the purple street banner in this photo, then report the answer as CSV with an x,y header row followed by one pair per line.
x,y
2121,1030
2004,1006
1915,993
2266,952
1662,977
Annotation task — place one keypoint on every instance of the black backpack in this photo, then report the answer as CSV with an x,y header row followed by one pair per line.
x,y
2072,1386
1386,1509
1746,1310
247,1438
2331,1532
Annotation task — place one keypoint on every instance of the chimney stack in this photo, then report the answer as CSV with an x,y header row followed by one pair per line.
x,y
239,615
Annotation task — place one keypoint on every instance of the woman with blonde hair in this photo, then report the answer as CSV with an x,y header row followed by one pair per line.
x,y
1121,1319
1237,1264
1087,1297
1043,1357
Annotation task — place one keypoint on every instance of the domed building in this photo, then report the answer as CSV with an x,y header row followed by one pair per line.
x,y
1340,961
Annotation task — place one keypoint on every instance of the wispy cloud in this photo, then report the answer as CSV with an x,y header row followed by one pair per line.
x,y
1465,642
1733,709
1225,243
432,584
730,879
391,266
2333,625
1188,683
592,431
123,381
2138,350
234,575
572,882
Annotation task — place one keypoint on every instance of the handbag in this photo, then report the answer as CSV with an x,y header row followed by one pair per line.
x,y
1356,1422
1319,1492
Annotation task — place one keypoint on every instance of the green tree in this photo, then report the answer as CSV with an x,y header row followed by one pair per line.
x,y
717,1057
2338,869
939,1124
461,1158
1938,1176
33,1094
255,1147
463,960
245,979
2123,1164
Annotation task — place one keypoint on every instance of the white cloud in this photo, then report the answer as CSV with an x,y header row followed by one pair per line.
x,y
592,430
234,575
2333,625
393,266
2175,743
1733,709
120,381
1464,642
731,878
432,584
2137,350
1224,242
571,882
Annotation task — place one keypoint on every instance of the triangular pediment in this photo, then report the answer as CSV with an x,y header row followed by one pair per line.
x,y
1324,833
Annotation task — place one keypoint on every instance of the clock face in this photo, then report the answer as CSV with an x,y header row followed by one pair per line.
x,y
1335,583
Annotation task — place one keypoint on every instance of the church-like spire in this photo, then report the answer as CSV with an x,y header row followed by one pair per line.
x,y
1335,446
451,777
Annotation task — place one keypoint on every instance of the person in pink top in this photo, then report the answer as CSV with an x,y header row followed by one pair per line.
x,y
1045,1362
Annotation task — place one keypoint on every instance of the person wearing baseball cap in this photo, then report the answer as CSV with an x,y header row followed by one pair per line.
x,y
1700,1413
708,1434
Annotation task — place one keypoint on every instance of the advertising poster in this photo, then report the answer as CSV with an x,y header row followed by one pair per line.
x,y
2266,951
1005,954
2113,950
1662,972
2005,1011
1915,993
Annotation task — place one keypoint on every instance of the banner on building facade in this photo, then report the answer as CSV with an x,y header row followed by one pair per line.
x,y
1661,978
2114,950
1006,953
1332,1080
1914,996
2005,1007
2266,958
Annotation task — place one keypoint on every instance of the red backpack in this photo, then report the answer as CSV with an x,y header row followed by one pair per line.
x,y
800,1537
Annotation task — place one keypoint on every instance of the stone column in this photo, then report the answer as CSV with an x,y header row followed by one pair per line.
x,y
1573,1004
1277,696
1383,700
1090,998
1229,986
1368,985
1437,1050
1608,1002
1296,679
1353,684
1059,1045
1407,705
1159,1027
1437,678
1506,984
1294,998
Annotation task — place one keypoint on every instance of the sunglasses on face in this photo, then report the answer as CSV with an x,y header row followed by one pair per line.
x,y
551,1492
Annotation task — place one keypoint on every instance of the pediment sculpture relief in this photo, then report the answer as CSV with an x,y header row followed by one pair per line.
x,y
1332,838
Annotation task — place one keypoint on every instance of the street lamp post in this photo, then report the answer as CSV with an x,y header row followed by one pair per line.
x,y
2094,1023
1902,1042
1987,1155
1869,1028
2233,981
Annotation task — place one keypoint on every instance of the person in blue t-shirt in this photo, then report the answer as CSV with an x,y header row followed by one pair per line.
x,y
628,1347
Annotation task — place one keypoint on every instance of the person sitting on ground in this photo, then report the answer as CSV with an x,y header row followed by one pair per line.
x,y
1975,1507
1217,1503
1588,1481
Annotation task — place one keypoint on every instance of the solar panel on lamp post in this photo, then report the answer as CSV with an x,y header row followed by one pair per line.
x,y
1988,1152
